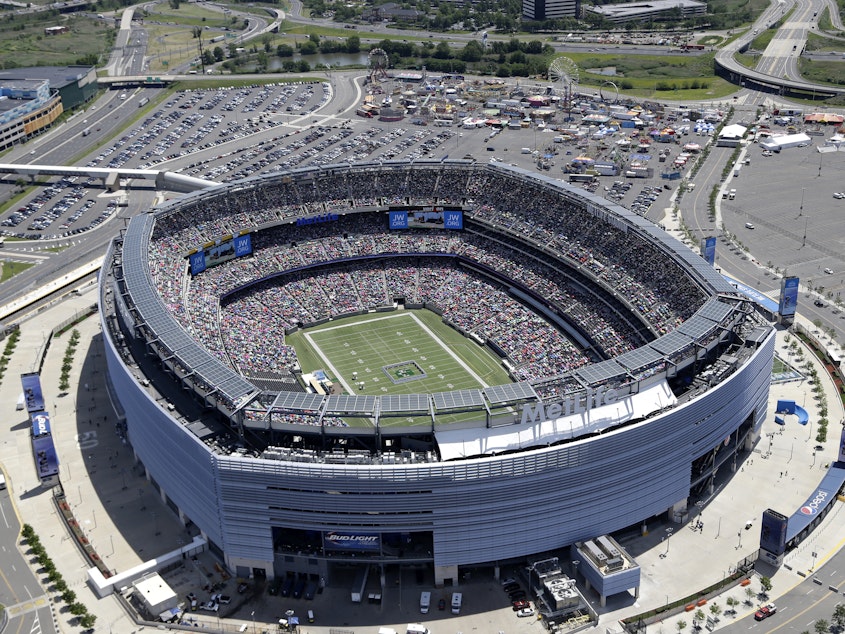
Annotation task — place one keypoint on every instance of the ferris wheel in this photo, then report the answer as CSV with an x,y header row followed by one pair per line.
x,y
377,61
564,72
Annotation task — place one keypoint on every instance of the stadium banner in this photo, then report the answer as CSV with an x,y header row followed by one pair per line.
x,y
243,245
788,296
46,459
336,540
41,424
708,250
773,532
842,446
33,396
398,219
197,261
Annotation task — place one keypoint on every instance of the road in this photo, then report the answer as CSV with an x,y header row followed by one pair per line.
x,y
813,599
21,593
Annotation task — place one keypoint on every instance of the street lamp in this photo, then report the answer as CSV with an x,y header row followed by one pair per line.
x,y
253,621
801,208
668,535
739,534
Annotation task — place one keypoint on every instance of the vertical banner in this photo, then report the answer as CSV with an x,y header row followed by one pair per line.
x,y
773,532
708,250
398,219
842,446
788,296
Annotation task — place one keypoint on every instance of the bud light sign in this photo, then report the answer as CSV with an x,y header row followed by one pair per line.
x,y
815,505
369,542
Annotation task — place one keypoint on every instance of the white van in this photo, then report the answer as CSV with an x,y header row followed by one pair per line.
x,y
457,599
732,194
525,150
425,602
2,481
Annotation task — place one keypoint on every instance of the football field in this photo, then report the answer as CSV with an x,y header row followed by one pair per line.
x,y
402,352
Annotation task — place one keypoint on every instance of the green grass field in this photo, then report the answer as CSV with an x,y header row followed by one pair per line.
x,y
412,342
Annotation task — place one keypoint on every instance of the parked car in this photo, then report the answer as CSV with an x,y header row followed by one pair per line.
x,y
519,605
525,612
441,605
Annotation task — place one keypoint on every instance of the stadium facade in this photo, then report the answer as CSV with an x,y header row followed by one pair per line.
x,y
278,483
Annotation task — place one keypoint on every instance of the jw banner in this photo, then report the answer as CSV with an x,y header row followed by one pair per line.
x,y
430,218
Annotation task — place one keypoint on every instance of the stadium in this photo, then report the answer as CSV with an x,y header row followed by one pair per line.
x,y
437,365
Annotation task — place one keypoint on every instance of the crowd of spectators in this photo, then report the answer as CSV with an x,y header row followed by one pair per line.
x,y
294,277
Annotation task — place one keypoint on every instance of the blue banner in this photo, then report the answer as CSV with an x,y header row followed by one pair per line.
x,y
708,250
41,424
46,460
33,397
398,219
773,532
453,220
335,540
788,296
197,262
243,245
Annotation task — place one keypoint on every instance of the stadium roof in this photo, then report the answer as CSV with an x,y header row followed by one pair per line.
x,y
466,443
151,311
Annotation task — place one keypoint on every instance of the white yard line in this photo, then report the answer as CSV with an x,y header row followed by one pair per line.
x,y
448,351
328,363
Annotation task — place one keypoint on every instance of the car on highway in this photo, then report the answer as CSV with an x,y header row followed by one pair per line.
x,y
765,612
829,271
839,195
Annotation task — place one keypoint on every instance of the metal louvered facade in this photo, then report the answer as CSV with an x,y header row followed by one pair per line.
x,y
477,510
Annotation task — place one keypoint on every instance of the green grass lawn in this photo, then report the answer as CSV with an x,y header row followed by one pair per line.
x,y
417,339
10,269
23,42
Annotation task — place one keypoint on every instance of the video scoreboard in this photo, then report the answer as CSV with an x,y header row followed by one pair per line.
x,y
434,217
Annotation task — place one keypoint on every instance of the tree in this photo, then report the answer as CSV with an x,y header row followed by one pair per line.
x,y
839,616
732,603
353,44
698,617
749,595
196,33
472,52
681,625
442,51
765,585
715,610
821,627
219,54
87,620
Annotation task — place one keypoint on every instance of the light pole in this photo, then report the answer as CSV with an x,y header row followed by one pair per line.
x,y
814,554
668,535
739,534
253,621
801,208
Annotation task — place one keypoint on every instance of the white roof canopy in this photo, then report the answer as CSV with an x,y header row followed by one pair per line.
x,y
462,443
